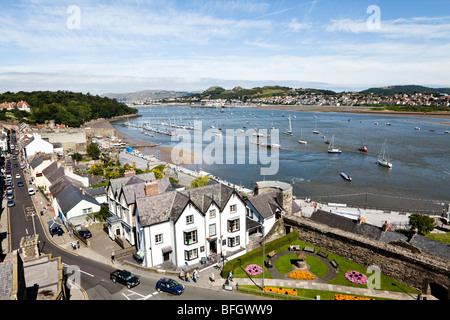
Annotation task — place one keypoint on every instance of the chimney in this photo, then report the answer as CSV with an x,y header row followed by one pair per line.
x,y
151,187
29,247
129,173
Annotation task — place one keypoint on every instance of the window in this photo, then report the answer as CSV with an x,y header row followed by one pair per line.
x,y
233,225
234,241
190,254
87,211
190,219
190,237
212,213
159,238
212,230
233,208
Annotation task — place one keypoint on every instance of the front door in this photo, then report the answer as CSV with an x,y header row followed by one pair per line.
x,y
213,246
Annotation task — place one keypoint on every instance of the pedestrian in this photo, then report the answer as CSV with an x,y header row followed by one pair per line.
x,y
78,244
187,277
113,258
181,274
212,277
230,276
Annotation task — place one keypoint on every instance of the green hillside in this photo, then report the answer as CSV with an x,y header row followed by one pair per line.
x,y
409,89
68,108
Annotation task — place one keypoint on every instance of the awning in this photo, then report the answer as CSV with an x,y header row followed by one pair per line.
x,y
166,249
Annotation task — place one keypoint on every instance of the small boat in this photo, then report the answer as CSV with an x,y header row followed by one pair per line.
x,y
332,149
383,157
416,128
376,123
388,124
446,131
346,176
301,141
289,132
363,149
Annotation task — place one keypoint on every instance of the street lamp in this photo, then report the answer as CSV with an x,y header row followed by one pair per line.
x,y
264,256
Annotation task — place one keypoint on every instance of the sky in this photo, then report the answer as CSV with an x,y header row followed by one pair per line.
x,y
132,45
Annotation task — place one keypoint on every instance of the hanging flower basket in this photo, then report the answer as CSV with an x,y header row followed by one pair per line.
x,y
253,269
356,277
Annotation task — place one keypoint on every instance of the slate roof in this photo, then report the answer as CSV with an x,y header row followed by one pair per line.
x,y
59,185
170,205
432,247
116,184
266,203
6,280
346,224
52,172
36,161
71,196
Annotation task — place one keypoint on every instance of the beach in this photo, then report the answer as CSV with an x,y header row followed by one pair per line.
x,y
182,157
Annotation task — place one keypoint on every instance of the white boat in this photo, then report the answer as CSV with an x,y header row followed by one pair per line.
x,y
416,128
332,149
346,176
446,131
383,157
289,132
315,128
301,141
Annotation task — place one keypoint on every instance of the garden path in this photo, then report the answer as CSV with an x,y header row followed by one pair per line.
x,y
332,273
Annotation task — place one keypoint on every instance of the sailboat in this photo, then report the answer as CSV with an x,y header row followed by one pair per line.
x,y
301,141
332,149
315,127
289,132
383,157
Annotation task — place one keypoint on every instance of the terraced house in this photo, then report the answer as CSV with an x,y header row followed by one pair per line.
x,y
176,228
121,197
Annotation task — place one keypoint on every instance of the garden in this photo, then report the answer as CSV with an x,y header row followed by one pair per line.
x,y
350,274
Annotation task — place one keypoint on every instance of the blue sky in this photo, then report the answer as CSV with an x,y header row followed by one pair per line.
x,y
131,45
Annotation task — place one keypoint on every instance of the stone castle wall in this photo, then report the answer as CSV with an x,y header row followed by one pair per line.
x,y
415,269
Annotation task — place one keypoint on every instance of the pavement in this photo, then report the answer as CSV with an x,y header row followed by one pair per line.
x,y
102,247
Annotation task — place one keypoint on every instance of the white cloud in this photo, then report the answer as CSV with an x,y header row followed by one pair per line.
x,y
297,26
419,27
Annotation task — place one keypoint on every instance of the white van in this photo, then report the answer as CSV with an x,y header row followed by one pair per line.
x,y
30,191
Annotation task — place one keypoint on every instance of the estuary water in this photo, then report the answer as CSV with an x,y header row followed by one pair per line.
x,y
418,149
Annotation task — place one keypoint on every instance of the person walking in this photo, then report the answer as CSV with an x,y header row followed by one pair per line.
x,y
181,274
187,277
212,277
230,276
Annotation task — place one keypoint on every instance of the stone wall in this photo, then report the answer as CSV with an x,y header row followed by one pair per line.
x,y
415,269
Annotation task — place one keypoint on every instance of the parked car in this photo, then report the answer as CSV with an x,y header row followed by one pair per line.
x,y
11,203
125,277
17,176
30,191
9,194
170,286
85,233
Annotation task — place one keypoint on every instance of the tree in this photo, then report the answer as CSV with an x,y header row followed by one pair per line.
x,y
93,151
199,182
423,223
77,157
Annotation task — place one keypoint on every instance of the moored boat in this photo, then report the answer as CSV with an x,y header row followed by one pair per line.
x,y
363,149
346,176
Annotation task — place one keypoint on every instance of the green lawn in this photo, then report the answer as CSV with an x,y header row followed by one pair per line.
x,y
317,266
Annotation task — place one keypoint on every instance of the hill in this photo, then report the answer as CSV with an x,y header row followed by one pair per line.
x,y
408,89
146,95
68,108
257,92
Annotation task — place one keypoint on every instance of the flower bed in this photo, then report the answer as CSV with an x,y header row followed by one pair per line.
x,y
253,269
356,277
302,275
349,297
289,292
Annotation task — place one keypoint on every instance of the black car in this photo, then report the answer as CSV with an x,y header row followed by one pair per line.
x,y
170,286
85,233
125,277
19,183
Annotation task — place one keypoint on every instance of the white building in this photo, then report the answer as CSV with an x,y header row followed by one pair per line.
x,y
186,227
36,145
265,209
